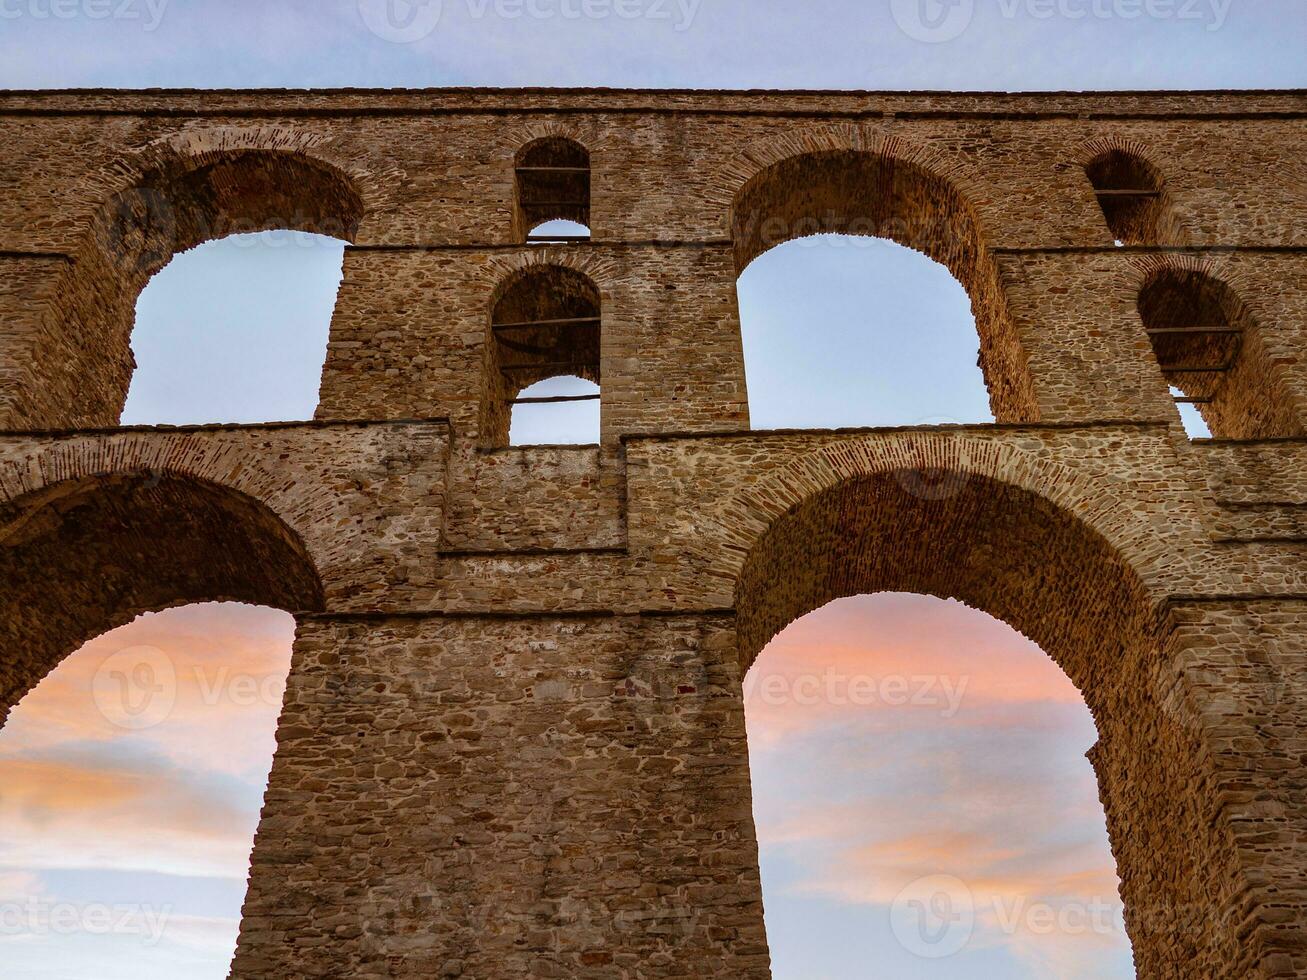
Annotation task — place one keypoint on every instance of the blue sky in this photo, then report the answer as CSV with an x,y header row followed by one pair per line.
x,y
161,820
1006,44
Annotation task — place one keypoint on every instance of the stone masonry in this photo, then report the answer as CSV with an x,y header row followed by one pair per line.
x,y
513,738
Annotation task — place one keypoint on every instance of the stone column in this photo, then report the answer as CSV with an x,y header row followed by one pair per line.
x,y
1242,689
514,796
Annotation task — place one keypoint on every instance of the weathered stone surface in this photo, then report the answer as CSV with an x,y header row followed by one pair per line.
x,y
513,739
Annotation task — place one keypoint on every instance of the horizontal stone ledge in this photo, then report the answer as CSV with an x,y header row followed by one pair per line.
x,y
496,553
584,447
1260,539
532,247
902,429
27,256
1233,598
1279,249
508,614
1216,104
218,427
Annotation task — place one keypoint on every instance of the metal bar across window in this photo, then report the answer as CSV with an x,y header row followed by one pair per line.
x,y
552,170
1126,192
547,366
1194,368
571,321
1195,330
552,401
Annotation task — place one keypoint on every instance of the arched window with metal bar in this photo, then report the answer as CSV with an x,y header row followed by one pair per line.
x,y
544,325
1211,352
1132,195
552,188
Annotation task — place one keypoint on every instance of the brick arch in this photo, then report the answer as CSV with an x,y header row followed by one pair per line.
x,y
198,146
1091,149
1146,222
169,196
88,553
501,271
1052,553
312,513
511,139
931,475
766,152
853,179
929,464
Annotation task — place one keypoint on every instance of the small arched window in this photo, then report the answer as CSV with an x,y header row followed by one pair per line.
x,y
546,324
1130,192
553,185
1212,356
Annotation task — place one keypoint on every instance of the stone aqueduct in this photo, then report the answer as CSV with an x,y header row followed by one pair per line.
x,y
513,739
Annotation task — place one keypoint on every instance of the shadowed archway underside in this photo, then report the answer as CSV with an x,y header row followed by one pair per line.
x,y
84,557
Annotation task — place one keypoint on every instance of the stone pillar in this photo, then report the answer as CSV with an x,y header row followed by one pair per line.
x,y
513,796
1242,666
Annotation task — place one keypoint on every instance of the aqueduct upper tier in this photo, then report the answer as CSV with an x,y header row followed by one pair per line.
x,y
513,739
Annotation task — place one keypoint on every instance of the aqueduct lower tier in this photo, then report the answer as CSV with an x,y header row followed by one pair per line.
x,y
513,739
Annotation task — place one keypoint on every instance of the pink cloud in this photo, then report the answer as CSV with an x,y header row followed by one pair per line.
x,y
865,797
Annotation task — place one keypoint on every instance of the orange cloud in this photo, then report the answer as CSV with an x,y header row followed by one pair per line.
x,y
89,814
79,790
227,665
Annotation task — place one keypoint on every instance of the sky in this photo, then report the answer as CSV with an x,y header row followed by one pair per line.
x,y
958,768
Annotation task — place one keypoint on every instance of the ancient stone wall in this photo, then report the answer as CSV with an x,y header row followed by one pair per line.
x,y
513,739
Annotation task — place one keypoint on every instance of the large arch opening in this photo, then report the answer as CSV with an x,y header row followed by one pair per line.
x,y
134,775
140,702
172,205
843,330
901,744
878,195
1020,558
235,331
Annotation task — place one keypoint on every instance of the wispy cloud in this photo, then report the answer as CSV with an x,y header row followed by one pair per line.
x,y
860,801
